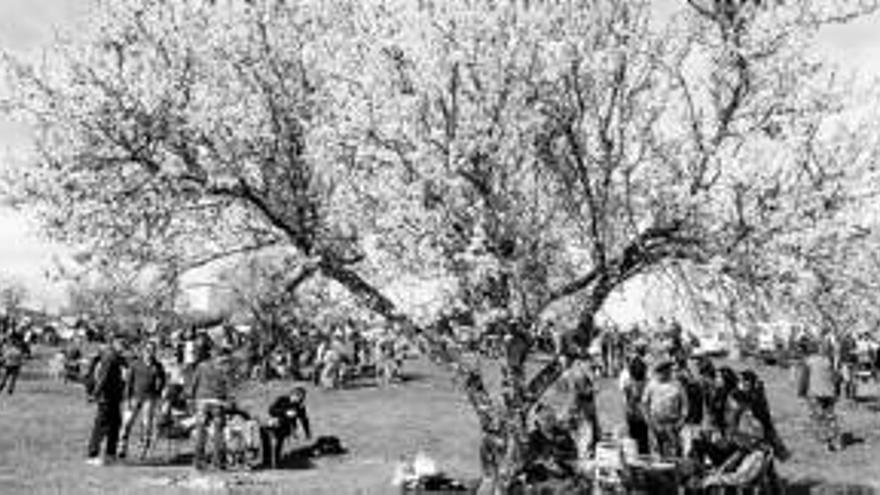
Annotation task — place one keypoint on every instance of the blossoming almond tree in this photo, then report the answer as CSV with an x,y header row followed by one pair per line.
x,y
534,150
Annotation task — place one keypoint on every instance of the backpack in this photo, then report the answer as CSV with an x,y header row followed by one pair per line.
x,y
89,376
328,445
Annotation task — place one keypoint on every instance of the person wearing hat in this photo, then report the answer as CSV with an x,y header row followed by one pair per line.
x,y
665,406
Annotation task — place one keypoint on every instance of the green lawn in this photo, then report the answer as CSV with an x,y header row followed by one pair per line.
x,y
44,427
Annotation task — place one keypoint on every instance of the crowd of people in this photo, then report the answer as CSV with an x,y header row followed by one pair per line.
x,y
130,383
677,404
187,378
329,358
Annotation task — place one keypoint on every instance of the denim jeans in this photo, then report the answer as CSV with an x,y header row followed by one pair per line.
x,y
136,406
210,414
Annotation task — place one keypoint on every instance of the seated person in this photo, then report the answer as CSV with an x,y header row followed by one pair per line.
x,y
288,412
176,415
175,398
552,447
173,419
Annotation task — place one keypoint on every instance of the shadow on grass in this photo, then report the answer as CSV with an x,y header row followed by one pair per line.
x,y
359,383
159,460
297,459
817,487
869,402
847,439
867,399
371,382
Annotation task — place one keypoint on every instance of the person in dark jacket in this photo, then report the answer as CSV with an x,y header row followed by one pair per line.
x,y
632,390
146,380
211,388
108,391
289,412
753,398
726,381
13,358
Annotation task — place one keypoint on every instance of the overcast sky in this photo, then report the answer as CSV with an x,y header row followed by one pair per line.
x,y
27,26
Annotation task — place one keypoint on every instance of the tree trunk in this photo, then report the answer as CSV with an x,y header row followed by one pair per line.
x,y
504,448
503,454
506,441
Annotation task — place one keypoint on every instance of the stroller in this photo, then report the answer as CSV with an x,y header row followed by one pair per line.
x,y
244,443
176,423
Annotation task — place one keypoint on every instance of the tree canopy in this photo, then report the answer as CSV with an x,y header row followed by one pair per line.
x,y
535,150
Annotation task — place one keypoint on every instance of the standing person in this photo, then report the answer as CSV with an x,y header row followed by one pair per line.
x,y
753,398
188,351
107,391
821,384
694,390
716,414
289,411
203,347
633,389
665,406
385,359
146,381
846,366
579,409
211,388
332,363
13,358
321,348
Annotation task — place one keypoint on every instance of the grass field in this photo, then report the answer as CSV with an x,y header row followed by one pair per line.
x,y
44,427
